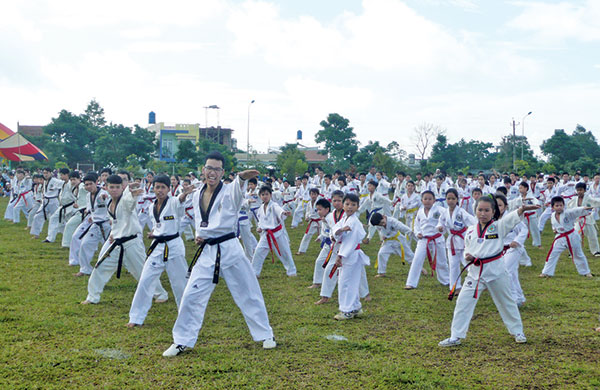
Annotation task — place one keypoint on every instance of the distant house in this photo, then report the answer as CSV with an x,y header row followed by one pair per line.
x,y
34,131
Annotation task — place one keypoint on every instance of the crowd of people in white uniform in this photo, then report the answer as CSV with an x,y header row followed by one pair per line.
x,y
474,224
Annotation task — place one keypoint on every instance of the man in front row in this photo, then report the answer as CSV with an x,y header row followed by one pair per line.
x,y
216,208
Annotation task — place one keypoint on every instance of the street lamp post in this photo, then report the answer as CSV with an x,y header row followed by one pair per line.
x,y
248,135
523,132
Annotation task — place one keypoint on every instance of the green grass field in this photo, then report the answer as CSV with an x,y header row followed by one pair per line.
x,y
48,340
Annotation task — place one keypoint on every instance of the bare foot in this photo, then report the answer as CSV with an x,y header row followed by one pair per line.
x,y
589,275
132,325
314,286
161,300
380,276
322,300
544,276
424,271
407,287
79,274
86,302
299,253
368,298
292,276
597,329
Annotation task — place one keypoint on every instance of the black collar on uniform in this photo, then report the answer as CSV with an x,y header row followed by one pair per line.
x,y
205,214
113,215
157,211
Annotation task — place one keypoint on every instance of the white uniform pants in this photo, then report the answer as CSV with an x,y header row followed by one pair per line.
x,y
319,270
312,229
299,213
589,231
8,213
40,217
88,245
578,257
75,244
454,264
328,284
348,294
145,219
511,260
186,227
133,260
534,230
500,293
393,247
544,218
176,267
246,293
70,228
22,206
54,226
421,254
32,212
262,250
248,240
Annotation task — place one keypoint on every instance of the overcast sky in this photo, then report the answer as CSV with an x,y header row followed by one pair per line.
x,y
387,65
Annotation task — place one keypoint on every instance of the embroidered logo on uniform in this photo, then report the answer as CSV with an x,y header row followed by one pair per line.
x,y
492,228
491,236
436,214
168,217
459,217
469,283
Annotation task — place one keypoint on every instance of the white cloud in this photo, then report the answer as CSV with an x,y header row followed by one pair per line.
x,y
556,22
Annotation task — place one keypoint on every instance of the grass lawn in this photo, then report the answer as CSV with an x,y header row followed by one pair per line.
x,y
48,340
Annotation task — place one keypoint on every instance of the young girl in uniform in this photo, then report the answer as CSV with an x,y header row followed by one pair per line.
x,y
430,243
484,251
454,221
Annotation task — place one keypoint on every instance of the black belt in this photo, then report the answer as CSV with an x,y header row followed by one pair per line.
x,y
99,223
118,242
44,204
61,212
211,241
161,240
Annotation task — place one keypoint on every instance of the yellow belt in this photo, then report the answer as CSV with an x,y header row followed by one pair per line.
x,y
412,210
396,237
363,195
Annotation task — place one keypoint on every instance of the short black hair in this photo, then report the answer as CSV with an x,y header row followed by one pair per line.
x,y
428,192
506,180
107,170
580,185
91,176
339,193
265,188
352,198
253,180
164,179
73,174
452,191
324,203
214,155
313,191
64,171
373,183
477,189
555,200
524,184
553,180
502,190
376,219
187,181
114,179
124,172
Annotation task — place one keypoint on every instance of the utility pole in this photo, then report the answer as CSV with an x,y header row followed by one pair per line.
x,y
514,125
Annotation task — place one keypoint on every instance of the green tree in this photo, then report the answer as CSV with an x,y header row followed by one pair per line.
x,y
94,115
339,139
73,138
291,161
188,153
560,148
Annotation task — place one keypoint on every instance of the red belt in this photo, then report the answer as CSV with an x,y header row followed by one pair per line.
x,y
272,241
561,235
188,214
581,226
311,221
288,201
432,261
335,267
463,200
569,197
527,215
478,263
395,202
456,233
22,196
